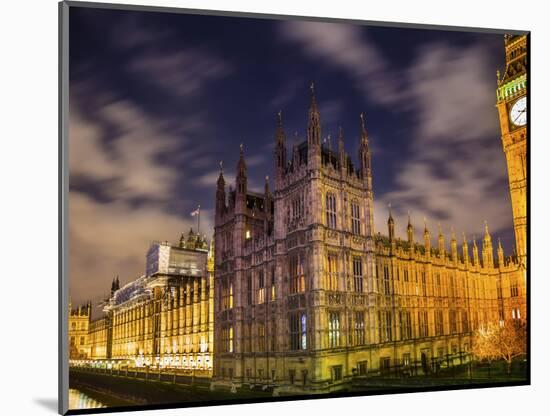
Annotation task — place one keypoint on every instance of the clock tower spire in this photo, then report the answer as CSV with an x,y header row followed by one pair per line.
x,y
512,110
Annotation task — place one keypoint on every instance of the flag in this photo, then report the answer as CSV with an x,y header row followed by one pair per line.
x,y
196,212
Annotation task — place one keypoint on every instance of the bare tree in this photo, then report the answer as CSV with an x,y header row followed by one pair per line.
x,y
504,342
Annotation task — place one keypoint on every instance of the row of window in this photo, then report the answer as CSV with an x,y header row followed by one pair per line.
x,y
73,341
331,217
356,329
82,326
265,288
441,284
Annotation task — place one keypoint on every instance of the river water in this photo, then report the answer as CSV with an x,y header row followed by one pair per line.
x,y
79,400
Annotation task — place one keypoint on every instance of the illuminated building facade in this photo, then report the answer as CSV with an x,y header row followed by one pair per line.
x,y
165,317
98,337
302,294
79,321
307,296
512,108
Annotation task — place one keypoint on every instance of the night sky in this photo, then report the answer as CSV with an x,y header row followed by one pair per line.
x,y
158,99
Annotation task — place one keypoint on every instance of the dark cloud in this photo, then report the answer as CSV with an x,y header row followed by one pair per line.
x,y
157,100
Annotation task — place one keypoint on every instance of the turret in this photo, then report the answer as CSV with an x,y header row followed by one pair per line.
x,y
364,155
475,252
427,243
391,226
341,150
487,251
410,233
465,250
280,151
267,205
500,254
314,133
190,243
241,183
454,246
441,243
220,195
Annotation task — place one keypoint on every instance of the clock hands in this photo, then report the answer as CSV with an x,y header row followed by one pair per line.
x,y
519,114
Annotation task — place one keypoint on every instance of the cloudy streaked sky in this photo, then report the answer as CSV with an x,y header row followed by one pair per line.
x,y
158,99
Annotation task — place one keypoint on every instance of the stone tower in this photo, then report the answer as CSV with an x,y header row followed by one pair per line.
x,y
513,117
288,263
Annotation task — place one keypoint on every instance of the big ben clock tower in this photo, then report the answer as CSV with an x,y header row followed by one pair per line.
x,y
512,110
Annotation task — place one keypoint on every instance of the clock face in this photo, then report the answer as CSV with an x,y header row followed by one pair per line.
x,y
518,113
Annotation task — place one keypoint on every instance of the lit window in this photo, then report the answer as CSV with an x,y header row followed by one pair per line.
x,y
332,275
247,235
333,329
359,328
261,287
298,331
297,274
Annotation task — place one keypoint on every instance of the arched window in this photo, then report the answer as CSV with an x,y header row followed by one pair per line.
x,y
330,207
355,218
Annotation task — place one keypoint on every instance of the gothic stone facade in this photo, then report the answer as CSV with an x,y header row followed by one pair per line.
x,y
512,109
164,318
308,296
79,321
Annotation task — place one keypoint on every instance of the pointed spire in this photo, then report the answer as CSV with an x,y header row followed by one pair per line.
x,y
313,106
364,136
475,251
280,133
487,234
280,151
391,225
266,186
410,231
241,179
454,247
465,249
340,139
221,180
314,123
500,254
441,242
220,197
487,249
341,148
364,152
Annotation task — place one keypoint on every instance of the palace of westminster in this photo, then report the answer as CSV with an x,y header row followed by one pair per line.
x,y
298,292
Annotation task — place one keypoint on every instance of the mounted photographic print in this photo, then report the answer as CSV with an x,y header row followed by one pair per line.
x,y
263,208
